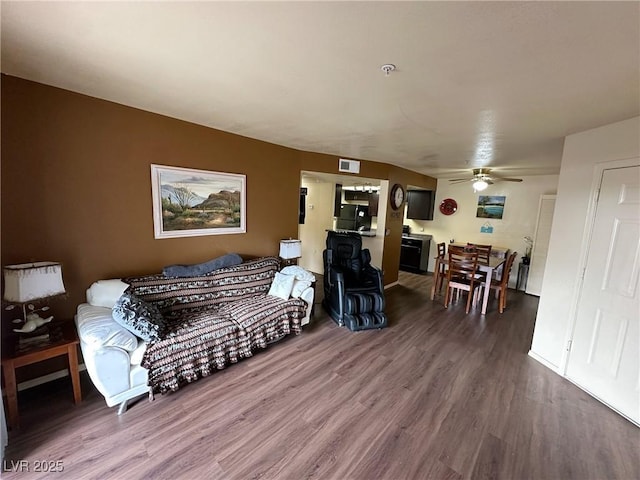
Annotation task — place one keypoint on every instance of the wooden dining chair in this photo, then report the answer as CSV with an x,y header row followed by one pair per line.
x,y
440,270
461,276
459,249
484,252
502,285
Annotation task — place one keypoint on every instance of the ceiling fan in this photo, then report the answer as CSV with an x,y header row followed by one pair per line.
x,y
482,178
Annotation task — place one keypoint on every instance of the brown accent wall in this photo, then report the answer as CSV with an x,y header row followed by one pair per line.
x,y
76,187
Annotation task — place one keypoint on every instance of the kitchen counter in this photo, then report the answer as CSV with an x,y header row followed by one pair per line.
x,y
367,233
417,236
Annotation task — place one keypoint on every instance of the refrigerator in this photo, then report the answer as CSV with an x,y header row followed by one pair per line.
x,y
353,217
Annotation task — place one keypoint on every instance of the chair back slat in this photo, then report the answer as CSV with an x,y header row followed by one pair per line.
x,y
462,264
484,252
457,249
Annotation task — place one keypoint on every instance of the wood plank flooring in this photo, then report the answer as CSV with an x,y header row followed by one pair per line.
x,y
438,394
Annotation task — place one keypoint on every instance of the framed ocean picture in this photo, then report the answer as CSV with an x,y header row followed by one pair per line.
x,y
189,202
490,206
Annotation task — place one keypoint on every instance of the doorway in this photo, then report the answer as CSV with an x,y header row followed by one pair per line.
x,y
320,205
604,353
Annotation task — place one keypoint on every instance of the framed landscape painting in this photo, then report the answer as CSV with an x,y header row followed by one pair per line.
x,y
490,206
189,202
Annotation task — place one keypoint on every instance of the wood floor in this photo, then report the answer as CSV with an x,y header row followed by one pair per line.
x,y
438,394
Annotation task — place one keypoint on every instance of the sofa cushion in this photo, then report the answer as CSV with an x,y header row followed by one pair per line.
x,y
282,285
139,317
105,293
97,328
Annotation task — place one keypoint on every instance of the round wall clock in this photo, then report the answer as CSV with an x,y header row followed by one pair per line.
x,y
397,196
448,206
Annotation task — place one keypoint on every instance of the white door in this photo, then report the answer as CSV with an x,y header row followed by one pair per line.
x,y
540,244
604,356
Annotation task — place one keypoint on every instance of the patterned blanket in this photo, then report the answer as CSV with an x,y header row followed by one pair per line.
x,y
203,343
215,319
266,318
175,295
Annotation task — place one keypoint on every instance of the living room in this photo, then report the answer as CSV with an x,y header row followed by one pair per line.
x,y
76,189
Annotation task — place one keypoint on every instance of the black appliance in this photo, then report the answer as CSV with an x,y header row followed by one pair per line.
x,y
414,253
353,217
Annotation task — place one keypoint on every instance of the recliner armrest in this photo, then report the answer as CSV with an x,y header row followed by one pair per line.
x,y
375,274
336,275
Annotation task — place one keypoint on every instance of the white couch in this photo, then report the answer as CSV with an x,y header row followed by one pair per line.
x,y
112,354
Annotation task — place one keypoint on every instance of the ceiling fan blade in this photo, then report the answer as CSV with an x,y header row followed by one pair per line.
x,y
460,180
504,179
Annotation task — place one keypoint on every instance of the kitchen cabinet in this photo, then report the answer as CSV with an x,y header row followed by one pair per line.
x,y
356,195
372,199
420,204
337,200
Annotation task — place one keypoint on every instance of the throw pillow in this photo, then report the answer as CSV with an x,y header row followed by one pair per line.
x,y
282,285
139,317
298,287
228,260
105,293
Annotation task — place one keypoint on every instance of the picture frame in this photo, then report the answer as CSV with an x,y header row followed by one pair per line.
x,y
188,202
490,206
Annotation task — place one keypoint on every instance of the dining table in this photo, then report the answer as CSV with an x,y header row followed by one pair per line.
x,y
488,268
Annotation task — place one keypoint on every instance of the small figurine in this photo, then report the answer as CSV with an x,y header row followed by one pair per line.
x,y
33,321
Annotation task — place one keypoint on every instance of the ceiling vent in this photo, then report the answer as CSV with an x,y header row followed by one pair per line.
x,y
349,166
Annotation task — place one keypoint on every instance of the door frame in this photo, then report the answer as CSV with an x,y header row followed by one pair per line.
x,y
598,173
543,197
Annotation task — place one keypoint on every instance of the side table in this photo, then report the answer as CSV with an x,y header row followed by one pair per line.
x,y
523,274
14,356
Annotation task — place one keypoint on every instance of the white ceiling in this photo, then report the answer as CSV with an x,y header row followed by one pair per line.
x,y
494,84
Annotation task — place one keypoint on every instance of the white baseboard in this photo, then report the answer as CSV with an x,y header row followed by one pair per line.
x,y
545,362
34,382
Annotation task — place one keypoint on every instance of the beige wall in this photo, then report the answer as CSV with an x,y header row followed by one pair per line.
x,y
582,152
319,218
519,219
76,187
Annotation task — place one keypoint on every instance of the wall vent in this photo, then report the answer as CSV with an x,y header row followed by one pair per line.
x,y
350,166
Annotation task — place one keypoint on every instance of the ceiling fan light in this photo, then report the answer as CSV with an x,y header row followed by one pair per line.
x,y
479,185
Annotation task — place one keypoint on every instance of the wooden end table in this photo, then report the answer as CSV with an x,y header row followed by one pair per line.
x,y
64,342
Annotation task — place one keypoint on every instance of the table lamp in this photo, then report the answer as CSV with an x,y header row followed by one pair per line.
x,y
290,251
28,282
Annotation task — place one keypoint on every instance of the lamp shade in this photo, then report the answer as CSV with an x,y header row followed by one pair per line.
x,y
30,281
290,249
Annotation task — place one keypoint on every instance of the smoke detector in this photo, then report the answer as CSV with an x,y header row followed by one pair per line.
x,y
387,68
